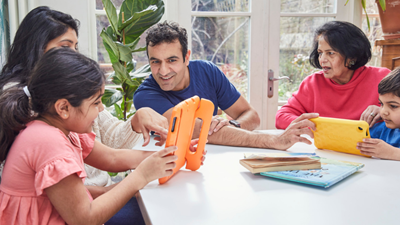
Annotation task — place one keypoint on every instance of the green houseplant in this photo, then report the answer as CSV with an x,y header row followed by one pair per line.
x,y
120,39
382,4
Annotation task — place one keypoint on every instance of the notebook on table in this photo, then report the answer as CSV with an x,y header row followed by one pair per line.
x,y
331,172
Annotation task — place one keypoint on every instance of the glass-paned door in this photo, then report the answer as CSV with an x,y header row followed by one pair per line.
x,y
299,19
220,34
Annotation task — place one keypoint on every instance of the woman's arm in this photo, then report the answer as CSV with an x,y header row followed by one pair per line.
x,y
115,133
70,199
119,134
289,112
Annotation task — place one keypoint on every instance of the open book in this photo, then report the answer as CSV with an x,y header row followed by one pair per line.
x,y
266,162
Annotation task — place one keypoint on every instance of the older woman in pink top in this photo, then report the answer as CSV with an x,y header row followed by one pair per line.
x,y
345,88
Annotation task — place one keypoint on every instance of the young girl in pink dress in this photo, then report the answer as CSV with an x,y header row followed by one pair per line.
x,y
46,136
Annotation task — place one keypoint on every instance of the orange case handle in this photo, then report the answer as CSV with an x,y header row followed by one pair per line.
x,y
205,113
180,133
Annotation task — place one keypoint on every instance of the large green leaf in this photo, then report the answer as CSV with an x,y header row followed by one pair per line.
x,y
135,17
140,49
111,44
120,72
111,13
129,7
111,33
113,57
115,79
125,53
142,72
111,96
133,44
382,3
132,82
118,112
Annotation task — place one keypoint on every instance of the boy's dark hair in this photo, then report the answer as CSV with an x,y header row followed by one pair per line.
x,y
167,32
390,83
345,38
37,29
60,74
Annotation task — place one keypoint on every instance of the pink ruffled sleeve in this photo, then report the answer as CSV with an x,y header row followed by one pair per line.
x,y
57,170
87,143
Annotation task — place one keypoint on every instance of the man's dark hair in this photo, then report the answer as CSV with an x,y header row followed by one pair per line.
x,y
345,38
167,32
390,83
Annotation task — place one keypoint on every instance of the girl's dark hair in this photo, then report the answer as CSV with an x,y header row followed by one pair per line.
x,y
60,74
167,32
345,38
390,83
38,28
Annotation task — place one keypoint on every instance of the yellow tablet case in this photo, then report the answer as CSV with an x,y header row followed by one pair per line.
x,y
340,134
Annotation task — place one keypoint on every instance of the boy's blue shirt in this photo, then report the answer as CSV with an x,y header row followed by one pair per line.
x,y
390,136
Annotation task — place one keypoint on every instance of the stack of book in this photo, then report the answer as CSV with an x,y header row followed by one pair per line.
x,y
300,167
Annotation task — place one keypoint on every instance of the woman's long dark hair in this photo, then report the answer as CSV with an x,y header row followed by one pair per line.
x,y
38,28
60,74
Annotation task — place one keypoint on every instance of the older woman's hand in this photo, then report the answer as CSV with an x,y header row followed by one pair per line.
x,y
371,115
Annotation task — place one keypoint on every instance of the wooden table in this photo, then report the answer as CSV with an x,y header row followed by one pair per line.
x,y
224,192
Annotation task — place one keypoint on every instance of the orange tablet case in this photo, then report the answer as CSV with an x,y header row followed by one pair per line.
x,y
181,129
340,135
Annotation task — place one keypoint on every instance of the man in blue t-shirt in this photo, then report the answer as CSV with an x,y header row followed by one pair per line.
x,y
174,78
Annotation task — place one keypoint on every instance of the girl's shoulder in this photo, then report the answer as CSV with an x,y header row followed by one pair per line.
x,y
39,130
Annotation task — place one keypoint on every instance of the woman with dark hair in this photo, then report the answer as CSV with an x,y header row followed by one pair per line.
x,y
36,34
45,150
345,88
43,29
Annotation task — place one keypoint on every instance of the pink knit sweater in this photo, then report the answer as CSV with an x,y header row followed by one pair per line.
x,y
321,95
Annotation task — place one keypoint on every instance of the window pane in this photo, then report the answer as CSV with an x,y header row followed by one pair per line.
x,y
102,55
308,6
117,4
225,42
295,44
375,33
220,5
372,7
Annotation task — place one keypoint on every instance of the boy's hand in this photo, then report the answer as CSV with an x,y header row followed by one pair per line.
x,y
371,115
378,148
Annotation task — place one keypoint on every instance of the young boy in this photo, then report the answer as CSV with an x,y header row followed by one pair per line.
x,y
385,136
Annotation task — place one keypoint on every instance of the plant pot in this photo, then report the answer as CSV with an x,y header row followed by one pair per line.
x,y
390,19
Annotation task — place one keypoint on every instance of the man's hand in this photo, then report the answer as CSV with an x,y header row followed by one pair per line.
x,y
146,120
371,115
378,148
301,125
193,148
217,123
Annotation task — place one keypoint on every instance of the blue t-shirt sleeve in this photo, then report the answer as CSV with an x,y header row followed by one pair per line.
x,y
145,97
376,130
227,94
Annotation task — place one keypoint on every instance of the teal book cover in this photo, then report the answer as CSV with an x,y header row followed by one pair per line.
x,y
331,172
